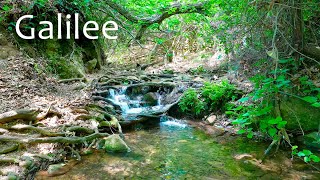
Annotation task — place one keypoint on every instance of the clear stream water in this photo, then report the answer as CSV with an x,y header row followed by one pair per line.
x,y
174,150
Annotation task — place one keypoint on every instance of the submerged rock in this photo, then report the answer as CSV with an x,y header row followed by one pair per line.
x,y
115,144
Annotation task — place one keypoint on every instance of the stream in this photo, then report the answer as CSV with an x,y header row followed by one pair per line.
x,y
172,149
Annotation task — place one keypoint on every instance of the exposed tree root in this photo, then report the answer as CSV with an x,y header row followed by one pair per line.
x,y
25,114
13,147
79,129
66,140
9,160
72,80
43,132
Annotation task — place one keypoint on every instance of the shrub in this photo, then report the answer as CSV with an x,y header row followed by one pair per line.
x,y
211,97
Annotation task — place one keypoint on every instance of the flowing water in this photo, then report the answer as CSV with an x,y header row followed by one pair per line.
x,y
174,150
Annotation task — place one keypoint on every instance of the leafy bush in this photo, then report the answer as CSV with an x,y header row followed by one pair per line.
x,y
263,113
191,102
211,97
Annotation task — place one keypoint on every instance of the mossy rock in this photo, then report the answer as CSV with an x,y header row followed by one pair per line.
x,y
312,140
65,68
296,111
115,144
151,98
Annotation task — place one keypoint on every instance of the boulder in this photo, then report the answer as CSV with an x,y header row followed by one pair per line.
x,y
296,111
312,140
115,144
151,98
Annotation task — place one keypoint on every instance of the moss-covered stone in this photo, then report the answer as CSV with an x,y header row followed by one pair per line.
x,y
65,68
296,111
151,98
115,144
312,140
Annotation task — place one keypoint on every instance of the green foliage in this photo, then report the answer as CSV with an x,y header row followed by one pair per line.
x,y
258,110
211,97
191,102
63,68
307,155
199,70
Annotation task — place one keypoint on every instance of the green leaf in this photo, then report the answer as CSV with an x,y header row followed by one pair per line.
x,y
294,148
310,99
272,132
314,158
6,8
307,152
273,121
316,104
241,131
306,159
281,124
244,99
250,135
301,154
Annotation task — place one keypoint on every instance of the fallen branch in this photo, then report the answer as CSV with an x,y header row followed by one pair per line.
x,y
66,140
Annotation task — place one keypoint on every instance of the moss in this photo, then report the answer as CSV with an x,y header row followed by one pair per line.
x,y
296,111
64,68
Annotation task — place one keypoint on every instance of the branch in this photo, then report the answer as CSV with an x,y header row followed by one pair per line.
x,y
174,9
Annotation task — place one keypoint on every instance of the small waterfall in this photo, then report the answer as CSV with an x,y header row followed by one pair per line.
x,y
159,99
131,107
119,99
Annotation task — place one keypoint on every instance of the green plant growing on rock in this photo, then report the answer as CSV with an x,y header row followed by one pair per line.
x,y
211,97
191,102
